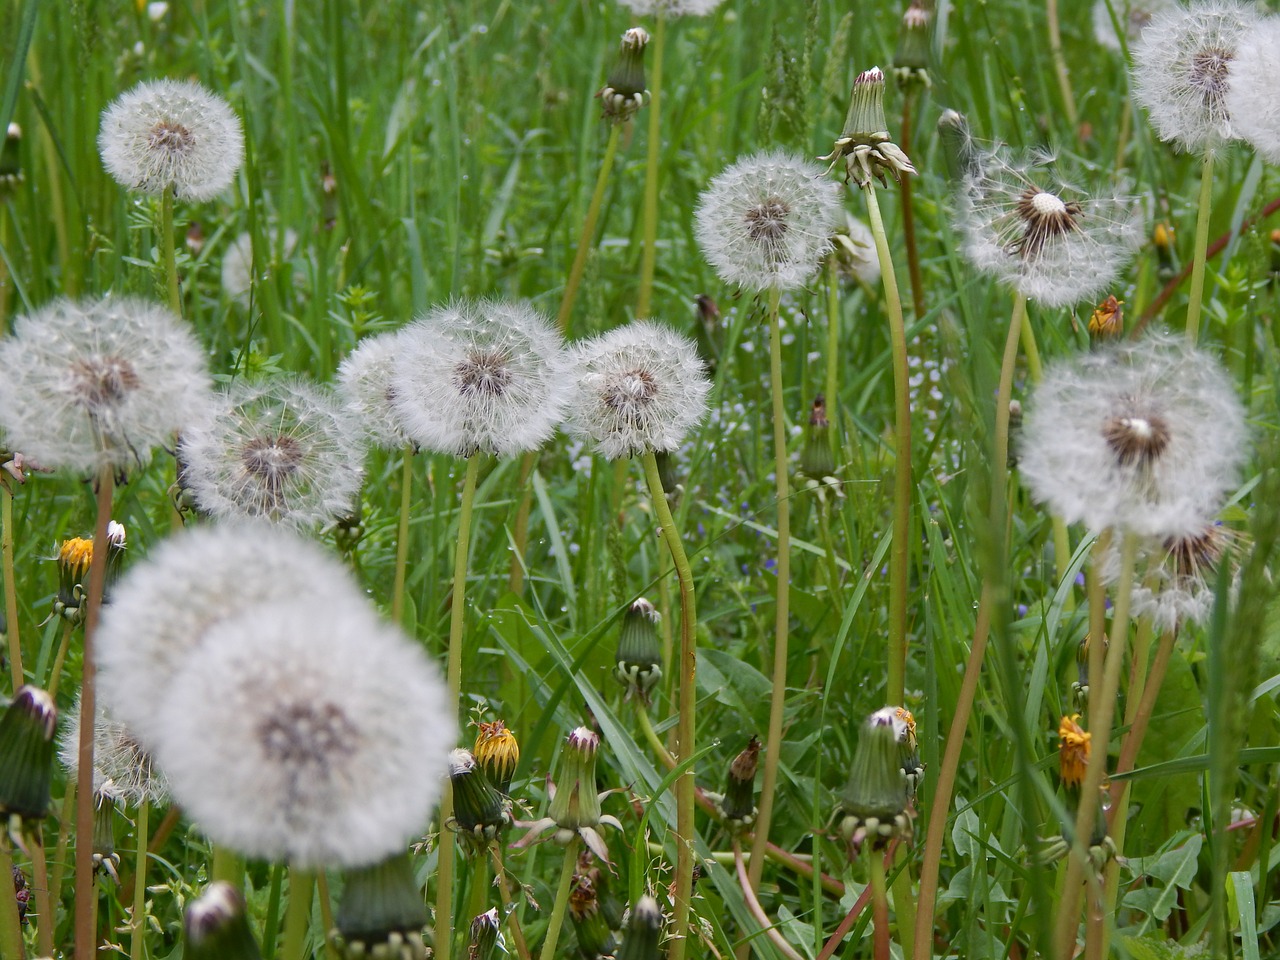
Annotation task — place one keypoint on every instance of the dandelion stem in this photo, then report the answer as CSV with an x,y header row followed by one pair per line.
x,y
40,883
651,736
831,385
1060,66
900,552
227,866
504,893
556,921
753,904
909,212
585,241
841,931
60,658
688,695
10,925
10,588
648,258
457,621
326,914
65,818
86,889
402,535
297,918
520,529
879,904
139,915
778,695
1196,295
167,250
271,925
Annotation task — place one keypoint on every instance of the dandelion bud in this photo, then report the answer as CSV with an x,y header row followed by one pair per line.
x,y
958,148
738,805
74,559
624,93
865,143
480,812
909,748
576,803
595,939
217,928
875,798
639,657
382,912
1073,752
911,59
816,459
1107,320
10,163
21,893
1162,238
26,753
484,936
1080,689
644,931
498,752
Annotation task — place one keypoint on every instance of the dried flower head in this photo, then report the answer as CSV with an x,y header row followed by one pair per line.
x,y
497,751
120,763
308,731
171,133
164,605
365,384
1048,240
99,383
1133,16
1251,99
641,387
1183,67
280,449
481,376
672,8
767,221
865,144
1146,436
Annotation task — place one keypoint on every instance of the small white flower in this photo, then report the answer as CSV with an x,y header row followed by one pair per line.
x,y
118,757
163,606
171,133
238,263
767,221
307,731
99,383
672,8
1183,68
1133,16
1048,240
1144,436
280,449
480,376
1252,100
641,387
365,384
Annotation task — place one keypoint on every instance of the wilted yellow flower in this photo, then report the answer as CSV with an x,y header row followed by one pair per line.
x,y
498,752
1073,751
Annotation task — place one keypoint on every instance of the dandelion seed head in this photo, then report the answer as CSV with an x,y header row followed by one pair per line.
x,y
118,758
365,383
280,449
99,383
641,387
1251,99
307,731
1133,18
171,133
767,221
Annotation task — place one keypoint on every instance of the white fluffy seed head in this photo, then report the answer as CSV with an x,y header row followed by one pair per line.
x,y
641,387
365,385
163,606
1048,240
1184,67
1145,436
238,262
672,8
118,759
310,732
280,449
99,383
1255,77
484,376
767,221
171,132
1133,17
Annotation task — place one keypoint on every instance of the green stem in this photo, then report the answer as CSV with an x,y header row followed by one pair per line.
x,y
326,914
520,529
477,896
228,866
10,927
1060,67
402,535
648,258
879,904
585,243
831,386
504,893
688,698
651,736
778,695
1196,296
556,920
271,925
60,658
139,883
297,918
40,882
457,621
10,589
909,212
86,889
900,549
904,904
167,250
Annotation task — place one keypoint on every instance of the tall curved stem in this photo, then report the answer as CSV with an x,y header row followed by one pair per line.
x,y
588,230
649,257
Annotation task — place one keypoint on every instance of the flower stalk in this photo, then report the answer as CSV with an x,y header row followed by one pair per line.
x,y
649,256
402,535
10,587
1200,255
167,251
556,920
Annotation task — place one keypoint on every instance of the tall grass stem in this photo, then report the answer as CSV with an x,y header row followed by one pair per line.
x,y
586,240
1200,256
16,672
649,255
402,535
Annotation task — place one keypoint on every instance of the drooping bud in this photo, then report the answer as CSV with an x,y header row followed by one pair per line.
x,y
217,928
642,938
624,93
382,912
105,858
480,812
595,939
484,936
865,145
816,458
639,657
26,753
576,803
959,150
911,59
738,805
875,798
498,752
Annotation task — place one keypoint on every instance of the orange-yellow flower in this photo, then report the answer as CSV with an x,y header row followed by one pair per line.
x,y
1073,751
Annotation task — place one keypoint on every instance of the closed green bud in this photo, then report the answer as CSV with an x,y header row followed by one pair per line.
x,y
738,805
26,753
595,939
624,92
217,928
911,59
576,803
484,936
639,657
105,858
958,148
382,913
642,938
816,458
875,798
865,145
480,811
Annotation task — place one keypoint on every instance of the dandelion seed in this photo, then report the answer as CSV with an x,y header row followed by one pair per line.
x,y
1046,239
365,383
1144,436
641,387
171,133
164,605
280,449
118,759
99,383
485,376
307,731
767,221
1251,99
1183,67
